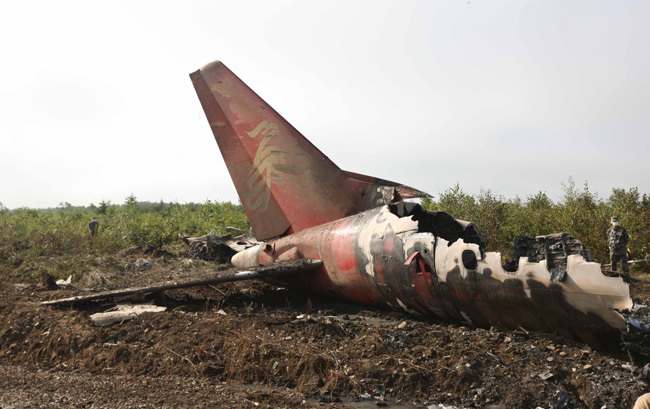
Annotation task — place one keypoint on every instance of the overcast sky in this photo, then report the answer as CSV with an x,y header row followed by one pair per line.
x,y
512,96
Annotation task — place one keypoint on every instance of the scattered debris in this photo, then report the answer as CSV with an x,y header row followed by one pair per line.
x,y
643,326
330,399
561,400
142,264
67,281
220,248
123,312
345,349
493,355
546,375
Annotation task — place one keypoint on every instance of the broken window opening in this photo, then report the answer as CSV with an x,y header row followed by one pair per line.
x,y
469,260
440,224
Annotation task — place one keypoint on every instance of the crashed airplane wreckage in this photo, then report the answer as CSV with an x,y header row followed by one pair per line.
x,y
362,242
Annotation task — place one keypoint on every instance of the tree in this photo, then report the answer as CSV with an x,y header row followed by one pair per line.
x,y
131,201
103,205
427,202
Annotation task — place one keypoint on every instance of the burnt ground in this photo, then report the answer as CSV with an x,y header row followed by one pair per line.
x,y
256,345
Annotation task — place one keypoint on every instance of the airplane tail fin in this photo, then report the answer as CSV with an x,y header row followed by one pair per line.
x,y
284,182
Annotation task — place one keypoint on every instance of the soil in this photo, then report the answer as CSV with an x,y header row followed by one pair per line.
x,y
257,345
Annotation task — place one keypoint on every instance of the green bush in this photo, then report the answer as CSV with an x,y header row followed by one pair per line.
x,y
52,240
580,213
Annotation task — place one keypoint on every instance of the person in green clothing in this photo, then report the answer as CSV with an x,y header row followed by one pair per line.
x,y
94,227
617,239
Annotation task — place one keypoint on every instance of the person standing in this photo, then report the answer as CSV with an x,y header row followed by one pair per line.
x,y
617,239
93,226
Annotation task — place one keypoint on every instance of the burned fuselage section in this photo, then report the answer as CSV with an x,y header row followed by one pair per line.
x,y
554,248
428,262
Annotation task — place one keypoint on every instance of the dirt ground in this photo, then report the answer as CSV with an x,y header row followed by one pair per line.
x,y
256,345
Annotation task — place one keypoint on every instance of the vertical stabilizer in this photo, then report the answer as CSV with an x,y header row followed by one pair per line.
x,y
284,182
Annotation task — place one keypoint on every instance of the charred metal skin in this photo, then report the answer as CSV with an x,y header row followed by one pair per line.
x,y
378,257
378,250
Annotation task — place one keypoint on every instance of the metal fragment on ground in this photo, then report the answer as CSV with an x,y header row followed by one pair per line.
x,y
123,312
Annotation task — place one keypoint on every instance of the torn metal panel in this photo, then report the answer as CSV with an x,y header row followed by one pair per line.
x,y
220,248
382,192
554,248
123,312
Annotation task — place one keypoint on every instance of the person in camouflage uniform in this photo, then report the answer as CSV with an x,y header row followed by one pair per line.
x,y
93,226
617,239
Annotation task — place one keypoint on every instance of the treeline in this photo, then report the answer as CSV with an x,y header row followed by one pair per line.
x,y
62,233
580,212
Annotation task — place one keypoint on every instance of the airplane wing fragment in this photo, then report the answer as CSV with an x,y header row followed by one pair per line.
x,y
235,274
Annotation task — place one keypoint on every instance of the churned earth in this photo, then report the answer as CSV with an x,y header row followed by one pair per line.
x,y
256,345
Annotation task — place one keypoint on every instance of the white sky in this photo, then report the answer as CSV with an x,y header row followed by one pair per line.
x,y
512,96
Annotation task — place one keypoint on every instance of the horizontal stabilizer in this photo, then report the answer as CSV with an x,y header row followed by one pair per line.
x,y
381,192
234,274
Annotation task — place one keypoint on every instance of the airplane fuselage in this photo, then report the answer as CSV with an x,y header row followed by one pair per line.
x,y
375,248
379,257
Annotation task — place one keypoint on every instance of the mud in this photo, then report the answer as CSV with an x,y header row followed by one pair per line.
x,y
252,344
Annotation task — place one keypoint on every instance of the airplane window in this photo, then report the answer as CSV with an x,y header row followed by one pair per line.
x,y
469,260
